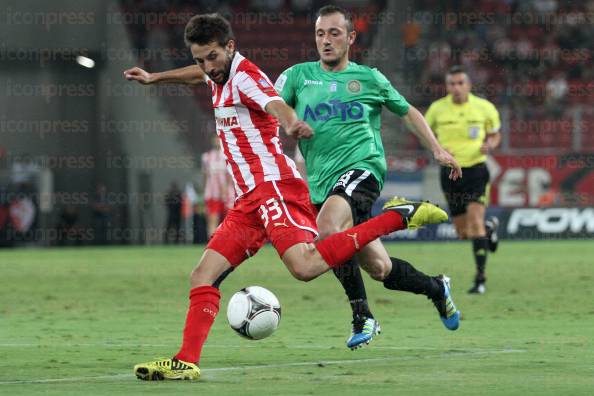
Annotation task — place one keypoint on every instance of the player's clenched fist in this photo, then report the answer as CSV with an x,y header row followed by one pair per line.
x,y
300,130
138,74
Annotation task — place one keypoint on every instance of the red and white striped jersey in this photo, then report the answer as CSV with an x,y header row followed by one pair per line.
x,y
249,135
217,185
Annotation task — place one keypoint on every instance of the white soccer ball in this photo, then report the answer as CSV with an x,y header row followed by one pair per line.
x,y
254,312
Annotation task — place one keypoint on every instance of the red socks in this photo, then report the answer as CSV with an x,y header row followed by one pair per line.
x,y
204,306
339,247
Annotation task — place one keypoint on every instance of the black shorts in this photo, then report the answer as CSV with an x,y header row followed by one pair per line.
x,y
360,189
472,187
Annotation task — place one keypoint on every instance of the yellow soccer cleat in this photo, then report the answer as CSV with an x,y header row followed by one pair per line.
x,y
416,214
167,369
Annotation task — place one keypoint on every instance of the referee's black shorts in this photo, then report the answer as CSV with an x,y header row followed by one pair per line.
x,y
472,187
360,189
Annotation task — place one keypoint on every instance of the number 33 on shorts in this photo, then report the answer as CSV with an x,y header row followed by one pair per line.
x,y
271,212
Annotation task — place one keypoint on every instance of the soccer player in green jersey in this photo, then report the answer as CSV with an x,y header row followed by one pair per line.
x,y
345,162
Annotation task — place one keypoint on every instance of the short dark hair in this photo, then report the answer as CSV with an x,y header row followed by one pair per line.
x,y
205,28
333,9
456,69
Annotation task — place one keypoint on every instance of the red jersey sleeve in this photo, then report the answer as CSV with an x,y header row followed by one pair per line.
x,y
257,87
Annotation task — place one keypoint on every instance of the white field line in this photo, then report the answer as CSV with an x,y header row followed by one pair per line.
x,y
280,365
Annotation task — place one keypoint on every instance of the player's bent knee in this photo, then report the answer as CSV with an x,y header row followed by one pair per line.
x,y
377,275
303,276
302,272
304,262
377,269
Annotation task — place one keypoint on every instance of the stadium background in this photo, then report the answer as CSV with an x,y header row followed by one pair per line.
x,y
87,158
83,144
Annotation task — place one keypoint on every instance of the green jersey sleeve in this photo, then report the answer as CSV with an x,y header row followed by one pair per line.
x,y
285,86
390,96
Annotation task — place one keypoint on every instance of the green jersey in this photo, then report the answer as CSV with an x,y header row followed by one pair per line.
x,y
344,110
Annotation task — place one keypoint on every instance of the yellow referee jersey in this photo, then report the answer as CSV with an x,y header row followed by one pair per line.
x,y
462,128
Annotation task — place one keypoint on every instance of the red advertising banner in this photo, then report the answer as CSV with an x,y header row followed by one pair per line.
x,y
542,180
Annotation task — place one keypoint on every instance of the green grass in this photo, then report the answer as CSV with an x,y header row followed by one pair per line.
x,y
85,316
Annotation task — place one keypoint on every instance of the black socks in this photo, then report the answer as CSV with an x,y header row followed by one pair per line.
x,y
349,276
407,278
479,249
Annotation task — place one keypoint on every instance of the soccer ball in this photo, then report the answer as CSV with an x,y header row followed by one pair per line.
x,y
254,312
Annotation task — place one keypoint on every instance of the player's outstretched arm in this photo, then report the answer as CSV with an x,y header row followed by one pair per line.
x,y
417,123
288,120
190,75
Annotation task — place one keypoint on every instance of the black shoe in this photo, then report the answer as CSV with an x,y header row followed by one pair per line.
x,y
479,285
492,224
478,288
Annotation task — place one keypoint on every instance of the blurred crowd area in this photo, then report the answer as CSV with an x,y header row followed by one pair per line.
x,y
283,27
532,57
519,52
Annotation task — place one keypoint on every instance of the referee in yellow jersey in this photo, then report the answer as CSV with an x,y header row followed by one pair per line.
x,y
468,127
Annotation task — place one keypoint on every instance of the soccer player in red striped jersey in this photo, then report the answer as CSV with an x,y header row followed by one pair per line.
x,y
273,202
219,189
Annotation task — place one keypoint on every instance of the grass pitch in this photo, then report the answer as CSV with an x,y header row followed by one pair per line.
x,y
75,321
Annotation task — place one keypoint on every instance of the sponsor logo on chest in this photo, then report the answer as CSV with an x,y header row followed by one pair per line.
x,y
334,109
226,118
